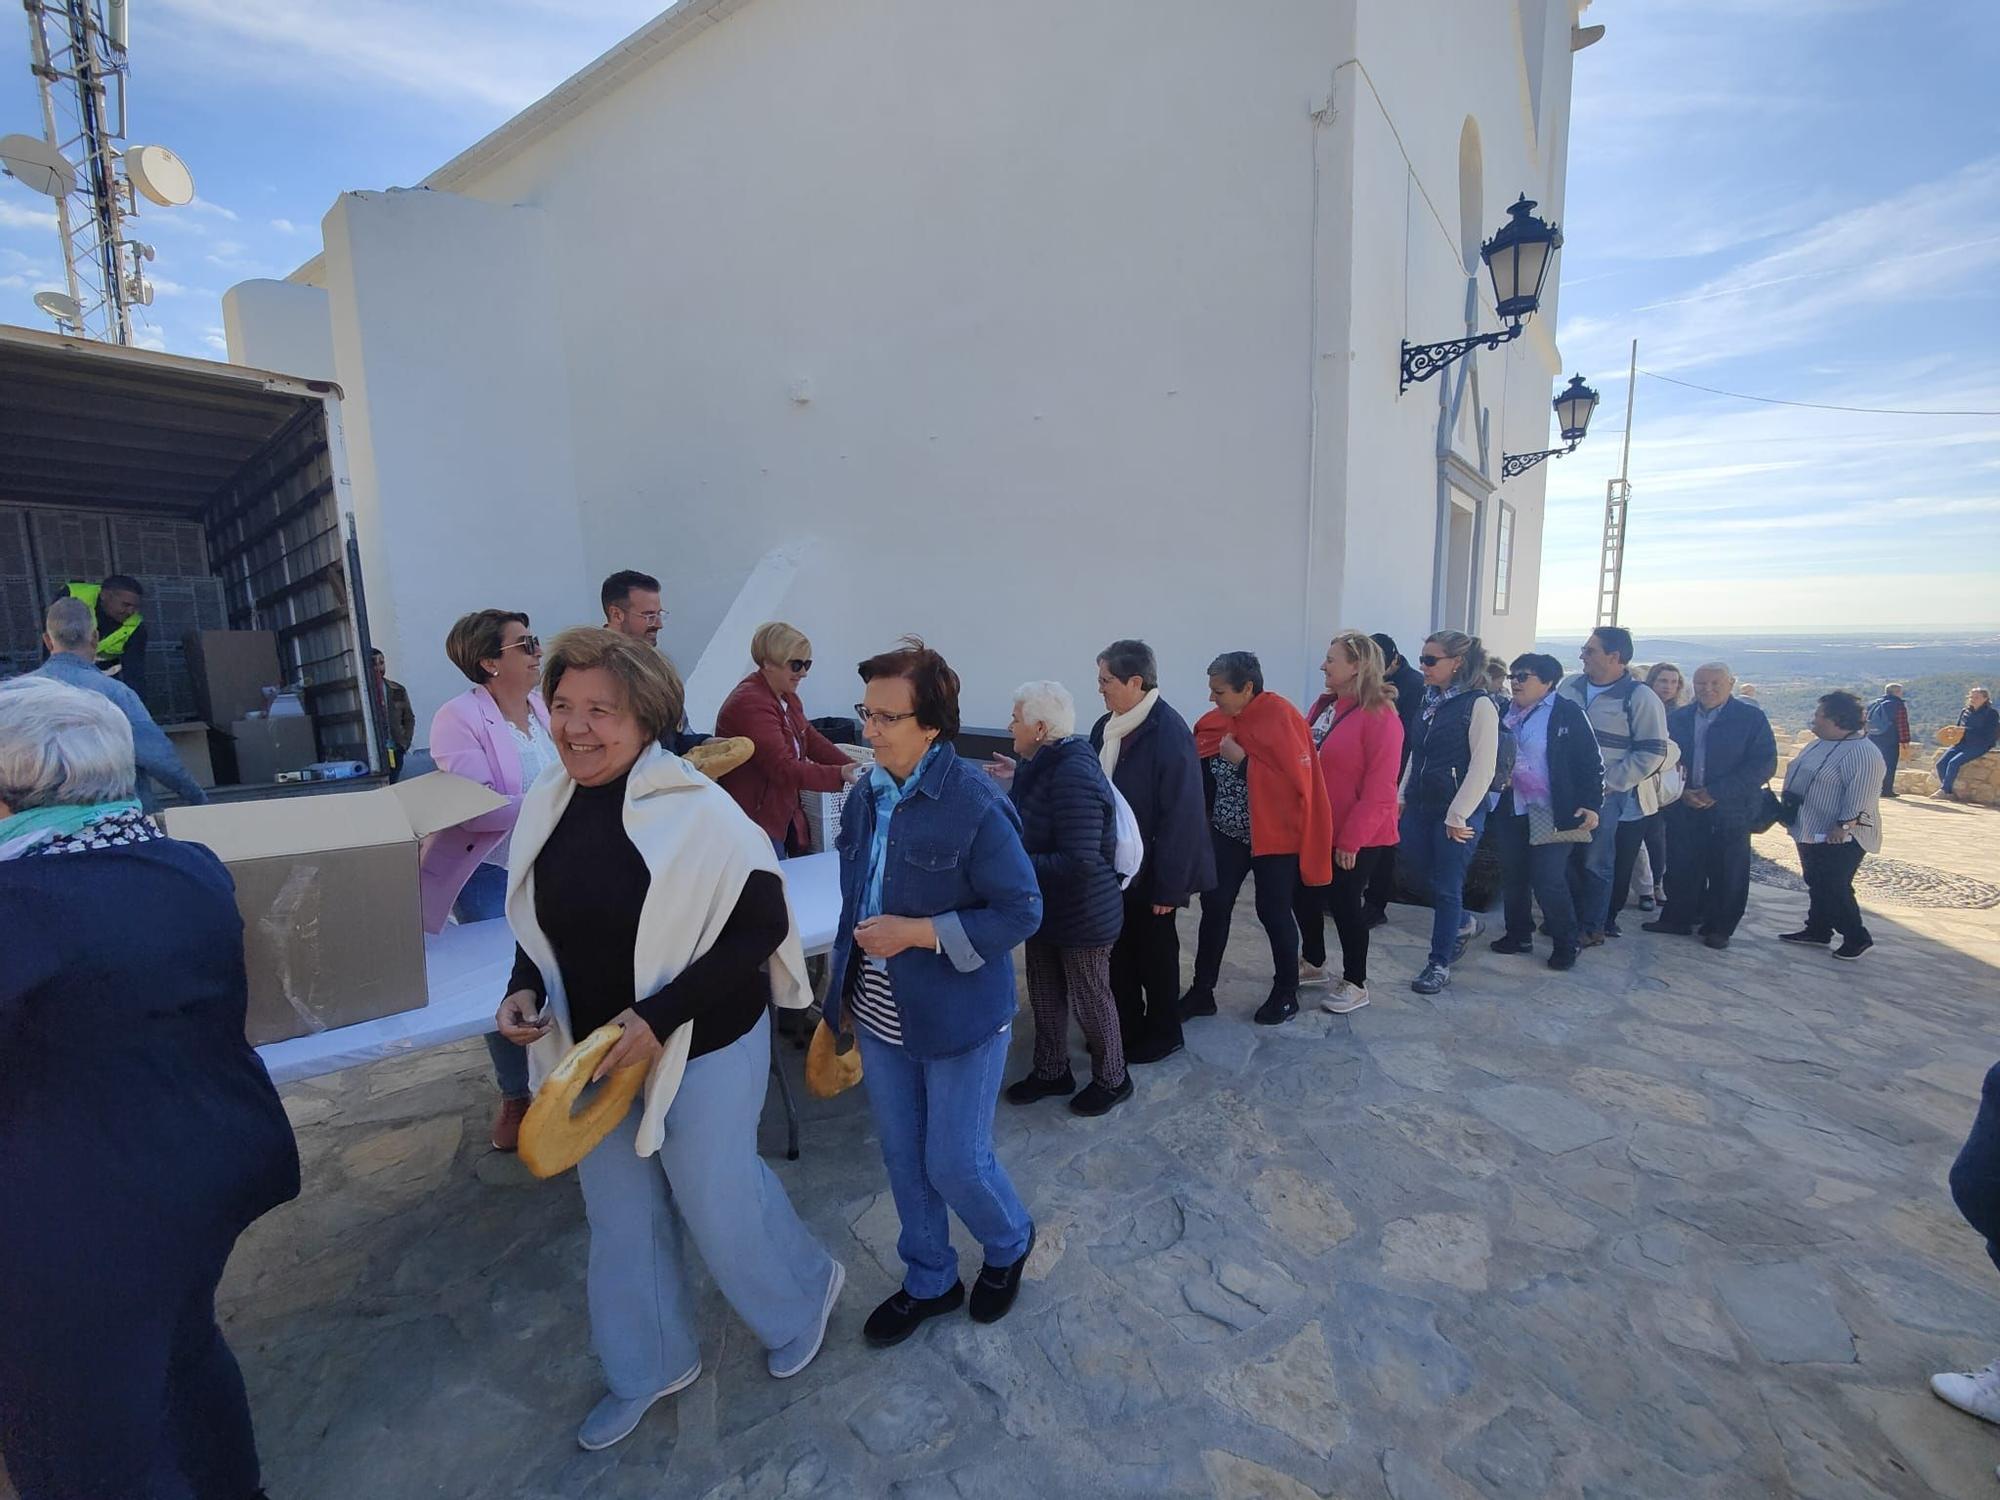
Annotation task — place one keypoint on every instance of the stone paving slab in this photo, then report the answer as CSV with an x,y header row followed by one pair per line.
x,y
1672,1224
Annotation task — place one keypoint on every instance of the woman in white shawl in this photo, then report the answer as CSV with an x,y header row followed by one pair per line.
x,y
640,895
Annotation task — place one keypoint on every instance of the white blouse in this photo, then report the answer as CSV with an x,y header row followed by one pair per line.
x,y
538,753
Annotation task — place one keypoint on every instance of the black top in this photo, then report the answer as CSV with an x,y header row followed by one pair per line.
x,y
1071,836
1160,777
590,883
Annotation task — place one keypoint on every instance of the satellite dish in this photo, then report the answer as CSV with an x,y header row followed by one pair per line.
x,y
59,305
160,175
38,165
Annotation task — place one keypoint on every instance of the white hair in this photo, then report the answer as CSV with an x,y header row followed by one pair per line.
x,y
1716,666
61,745
71,625
1048,704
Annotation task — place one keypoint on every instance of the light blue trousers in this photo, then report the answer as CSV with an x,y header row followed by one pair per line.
x,y
709,1178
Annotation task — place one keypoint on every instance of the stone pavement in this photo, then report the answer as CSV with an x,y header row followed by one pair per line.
x,y
1674,1224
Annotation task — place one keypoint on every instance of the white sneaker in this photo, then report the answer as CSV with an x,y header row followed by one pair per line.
x,y
613,1418
793,1357
1349,997
1312,974
1976,1392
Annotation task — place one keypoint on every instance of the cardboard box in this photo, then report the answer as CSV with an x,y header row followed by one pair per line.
x,y
264,747
230,670
327,885
190,743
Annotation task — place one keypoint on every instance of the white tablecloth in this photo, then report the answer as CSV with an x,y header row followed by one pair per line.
x,y
467,968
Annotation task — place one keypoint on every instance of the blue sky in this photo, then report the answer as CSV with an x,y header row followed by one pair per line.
x,y
1792,198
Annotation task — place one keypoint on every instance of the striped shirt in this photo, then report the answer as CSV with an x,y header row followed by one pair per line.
x,y
872,1001
1841,782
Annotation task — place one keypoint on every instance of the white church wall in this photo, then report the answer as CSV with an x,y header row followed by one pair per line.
x,y
280,326
458,425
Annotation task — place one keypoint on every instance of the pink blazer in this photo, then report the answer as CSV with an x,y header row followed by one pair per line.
x,y
470,738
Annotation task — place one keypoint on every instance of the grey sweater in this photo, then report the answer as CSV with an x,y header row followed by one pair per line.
x,y
1630,723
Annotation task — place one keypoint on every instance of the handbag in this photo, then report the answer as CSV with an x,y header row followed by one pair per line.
x,y
1131,851
1542,828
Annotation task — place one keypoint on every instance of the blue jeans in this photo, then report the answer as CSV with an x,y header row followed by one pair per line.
x,y
483,899
1952,762
935,1118
1592,865
1536,872
1975,1176
1437,863
709,1181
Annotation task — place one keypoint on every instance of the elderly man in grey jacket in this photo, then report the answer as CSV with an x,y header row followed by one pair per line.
x,y
1630,723
70,630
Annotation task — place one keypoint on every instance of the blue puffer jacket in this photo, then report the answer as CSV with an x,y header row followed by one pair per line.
x,y
1160,776
954,856
1071,835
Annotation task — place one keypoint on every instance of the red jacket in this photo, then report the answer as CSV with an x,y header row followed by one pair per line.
x,y
792,756
1288,806
1360,758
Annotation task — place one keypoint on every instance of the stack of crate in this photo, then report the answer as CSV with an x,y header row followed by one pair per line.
x,y
823,808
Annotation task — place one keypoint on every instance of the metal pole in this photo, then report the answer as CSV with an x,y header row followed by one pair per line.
x,y
1617,506
1631,386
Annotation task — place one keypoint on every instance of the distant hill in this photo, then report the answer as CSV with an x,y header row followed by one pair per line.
x,y
1791,671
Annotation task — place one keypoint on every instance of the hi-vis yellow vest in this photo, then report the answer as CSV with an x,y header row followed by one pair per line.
x,y
112,645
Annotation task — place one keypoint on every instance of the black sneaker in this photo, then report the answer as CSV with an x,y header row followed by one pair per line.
x,y
1153,1049
1715,940
1096,1099
1591,940
1472,929
1852,949
902,1315
1669,927
1512,944
994,1292
1035,1087
1563,958
1374,916
1199,1001
1808,938
1611,930
1277,1010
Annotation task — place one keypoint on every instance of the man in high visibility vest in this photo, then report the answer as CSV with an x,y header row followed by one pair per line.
x,y
121,629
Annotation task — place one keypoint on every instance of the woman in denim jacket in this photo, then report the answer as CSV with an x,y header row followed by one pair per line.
x,y
935,893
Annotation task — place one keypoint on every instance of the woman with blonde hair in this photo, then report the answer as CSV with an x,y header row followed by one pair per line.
x,y
1454,750
1359,738
791,756
1649,859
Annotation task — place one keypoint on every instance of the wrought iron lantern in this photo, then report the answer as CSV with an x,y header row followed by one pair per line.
x,y
1518,259
1573,412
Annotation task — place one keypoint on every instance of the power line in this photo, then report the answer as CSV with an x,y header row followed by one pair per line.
x,y
1875,411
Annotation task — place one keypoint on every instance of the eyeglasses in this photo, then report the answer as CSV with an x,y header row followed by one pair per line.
x,y
878,716
1431,661
649,616
532,644
801,667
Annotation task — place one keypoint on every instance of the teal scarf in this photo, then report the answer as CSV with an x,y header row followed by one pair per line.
x,y
37,825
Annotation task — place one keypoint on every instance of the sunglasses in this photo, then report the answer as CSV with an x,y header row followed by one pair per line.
x,y
875,716
1431,661
1520,676
532,644
801,667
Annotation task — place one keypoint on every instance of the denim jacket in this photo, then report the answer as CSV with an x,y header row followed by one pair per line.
x,y
954,856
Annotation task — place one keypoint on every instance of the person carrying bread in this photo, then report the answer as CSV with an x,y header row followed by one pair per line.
x,y
641,897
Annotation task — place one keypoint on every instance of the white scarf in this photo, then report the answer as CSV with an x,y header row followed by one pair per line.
x,y
699,849
1120,725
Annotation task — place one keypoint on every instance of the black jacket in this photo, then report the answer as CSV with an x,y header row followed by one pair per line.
x,y
1576,768
1071,835
1982,729
1409,685
1160,776
1741,755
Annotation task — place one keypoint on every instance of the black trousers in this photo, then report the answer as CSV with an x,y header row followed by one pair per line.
x,y
1277,881
1146,973
1975,1176
119,1385
1346,902
1708,868
1829,871
1632,836
1891,746
1536,873
1382,883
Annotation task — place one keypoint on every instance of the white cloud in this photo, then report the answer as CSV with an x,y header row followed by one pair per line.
x,y
20,216
285,226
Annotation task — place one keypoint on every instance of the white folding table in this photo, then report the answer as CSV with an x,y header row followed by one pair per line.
x,y
466,970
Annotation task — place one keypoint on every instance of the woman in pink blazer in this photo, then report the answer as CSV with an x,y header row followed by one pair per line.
x,y
497,735
1360,739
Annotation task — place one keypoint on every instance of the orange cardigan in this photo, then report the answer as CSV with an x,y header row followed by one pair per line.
x,y
1289,811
